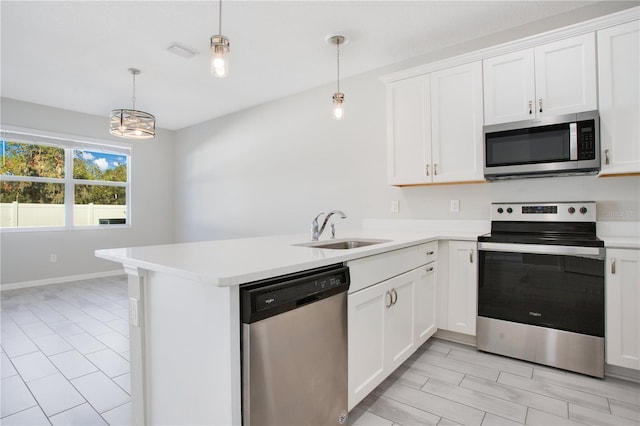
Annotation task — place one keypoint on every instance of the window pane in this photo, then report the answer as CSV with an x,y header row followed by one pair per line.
x,y
25,204
22,159
96,165
100,205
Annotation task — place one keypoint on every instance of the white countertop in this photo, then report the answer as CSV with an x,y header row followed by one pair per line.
x,y
238,261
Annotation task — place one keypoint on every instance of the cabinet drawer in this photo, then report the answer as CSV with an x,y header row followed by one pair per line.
x,y
428,252
374,269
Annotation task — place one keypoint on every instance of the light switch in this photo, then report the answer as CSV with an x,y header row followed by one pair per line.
x,y
395,206
455,206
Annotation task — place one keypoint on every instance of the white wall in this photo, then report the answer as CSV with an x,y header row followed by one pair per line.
x,y
271,168
25,255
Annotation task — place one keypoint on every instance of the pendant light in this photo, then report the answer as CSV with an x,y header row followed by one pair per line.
x,y
338,97
219,49
131,123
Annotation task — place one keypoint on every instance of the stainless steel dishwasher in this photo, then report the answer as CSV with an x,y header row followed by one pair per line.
x,y
294,348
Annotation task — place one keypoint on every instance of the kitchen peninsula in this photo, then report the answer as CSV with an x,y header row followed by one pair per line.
x,y
185,320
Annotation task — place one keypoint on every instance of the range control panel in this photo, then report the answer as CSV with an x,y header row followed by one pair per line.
x,y
573,211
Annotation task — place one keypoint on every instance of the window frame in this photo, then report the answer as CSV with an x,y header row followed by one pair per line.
x,y
69,143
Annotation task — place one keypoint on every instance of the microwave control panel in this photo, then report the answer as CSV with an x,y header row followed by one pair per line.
x,y
586,140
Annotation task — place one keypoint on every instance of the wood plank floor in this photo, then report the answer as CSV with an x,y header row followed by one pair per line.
x,y
446,383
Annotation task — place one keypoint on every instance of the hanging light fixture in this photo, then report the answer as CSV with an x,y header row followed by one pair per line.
x,y
131,123
219,50
338,97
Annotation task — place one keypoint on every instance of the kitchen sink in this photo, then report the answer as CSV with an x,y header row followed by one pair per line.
x,y
342,244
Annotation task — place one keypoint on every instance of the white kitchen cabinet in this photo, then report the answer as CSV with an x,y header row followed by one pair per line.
x,y
551,79
388,318
434,127
380,332
456,124
509,87
622,295
424,307
409,131
619,98
462,287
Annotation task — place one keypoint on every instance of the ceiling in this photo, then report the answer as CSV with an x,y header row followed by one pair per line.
x,y
75,54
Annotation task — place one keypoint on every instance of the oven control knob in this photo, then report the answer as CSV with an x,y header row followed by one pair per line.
x,y
500,210
572,210
583,210
509,210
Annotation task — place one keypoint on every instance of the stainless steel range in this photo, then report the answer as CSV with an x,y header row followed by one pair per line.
x,y
541,285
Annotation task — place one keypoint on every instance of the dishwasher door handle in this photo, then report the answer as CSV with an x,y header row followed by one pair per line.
x,y
308,299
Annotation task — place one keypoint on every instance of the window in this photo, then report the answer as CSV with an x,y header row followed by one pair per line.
x,y
53,182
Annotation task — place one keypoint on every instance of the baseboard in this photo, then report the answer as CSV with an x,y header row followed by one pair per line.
x,y
622,373
60,280
453,336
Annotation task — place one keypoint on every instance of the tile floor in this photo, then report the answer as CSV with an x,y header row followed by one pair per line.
x,y
446,383
64,360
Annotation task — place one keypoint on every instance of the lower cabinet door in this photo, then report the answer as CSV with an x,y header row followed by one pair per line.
x,y
424,305
399,341
463,287
380,332
622,295
366,315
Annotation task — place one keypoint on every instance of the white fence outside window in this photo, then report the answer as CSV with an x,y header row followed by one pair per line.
x,y
23,215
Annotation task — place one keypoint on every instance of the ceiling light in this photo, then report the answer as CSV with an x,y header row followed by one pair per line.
x,y
131,123
219,45
338,97
182,50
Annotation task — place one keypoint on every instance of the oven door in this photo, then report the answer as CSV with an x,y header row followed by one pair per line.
x,y
557,287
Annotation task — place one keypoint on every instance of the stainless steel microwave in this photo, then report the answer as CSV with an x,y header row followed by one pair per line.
x,y
563,145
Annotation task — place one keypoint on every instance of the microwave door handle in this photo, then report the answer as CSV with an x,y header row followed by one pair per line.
x,y
573,141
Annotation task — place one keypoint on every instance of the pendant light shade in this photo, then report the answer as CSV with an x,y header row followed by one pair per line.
x,y
338,97
131,123
219,46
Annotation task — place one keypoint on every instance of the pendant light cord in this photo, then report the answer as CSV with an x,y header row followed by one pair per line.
x,y
133,97
338,62
220,17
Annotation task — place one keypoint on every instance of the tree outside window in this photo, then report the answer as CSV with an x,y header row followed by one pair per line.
x,y
57,185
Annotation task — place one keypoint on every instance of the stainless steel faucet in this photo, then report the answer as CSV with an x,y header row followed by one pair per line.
x,y
315,233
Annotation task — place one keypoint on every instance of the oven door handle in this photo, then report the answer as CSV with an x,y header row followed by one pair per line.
x,y
593,252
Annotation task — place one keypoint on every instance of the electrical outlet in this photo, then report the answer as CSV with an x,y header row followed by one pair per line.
x,y
53,258
455,206
395,206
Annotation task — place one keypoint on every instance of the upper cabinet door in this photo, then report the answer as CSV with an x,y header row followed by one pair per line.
x,y
456,123
565,73
408,131
509,88
551,79
619,90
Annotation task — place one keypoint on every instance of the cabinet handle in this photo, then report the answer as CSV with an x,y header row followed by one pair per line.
x,y
540,104
530,107
430,253
613,266
430,269
427,168
388,302
471,256
606,156
394,293
435,168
